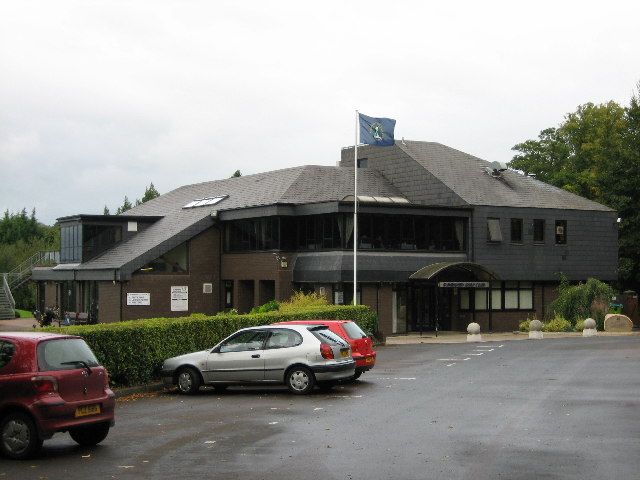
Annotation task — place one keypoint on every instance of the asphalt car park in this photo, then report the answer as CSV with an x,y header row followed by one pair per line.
x,y
562,408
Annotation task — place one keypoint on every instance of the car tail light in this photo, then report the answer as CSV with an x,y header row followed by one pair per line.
x,y
44,384
326,351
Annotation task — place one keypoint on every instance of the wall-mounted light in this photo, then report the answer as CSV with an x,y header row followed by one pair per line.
x,y
284,263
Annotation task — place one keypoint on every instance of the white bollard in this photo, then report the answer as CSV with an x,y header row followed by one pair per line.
x,y
535,330
589,329
473,333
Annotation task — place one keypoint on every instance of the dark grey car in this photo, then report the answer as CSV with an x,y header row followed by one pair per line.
x,y
299,356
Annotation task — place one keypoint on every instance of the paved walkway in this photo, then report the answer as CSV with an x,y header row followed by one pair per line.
x,y
26,324
461,337
17,325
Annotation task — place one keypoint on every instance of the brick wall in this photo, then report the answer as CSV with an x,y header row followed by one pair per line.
x,y
203,268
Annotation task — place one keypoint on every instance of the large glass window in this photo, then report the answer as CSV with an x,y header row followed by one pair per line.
x,y
335,231
98,238
174,261
71,244
504,296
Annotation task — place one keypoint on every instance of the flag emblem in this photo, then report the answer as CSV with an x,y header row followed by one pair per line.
x,y
376,131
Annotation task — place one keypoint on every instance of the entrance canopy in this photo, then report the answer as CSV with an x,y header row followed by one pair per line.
x,y
466,269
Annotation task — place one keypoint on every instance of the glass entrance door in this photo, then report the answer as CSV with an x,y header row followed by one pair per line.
x,y
429,306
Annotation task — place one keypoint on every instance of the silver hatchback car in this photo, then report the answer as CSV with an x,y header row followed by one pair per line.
x,y
299,356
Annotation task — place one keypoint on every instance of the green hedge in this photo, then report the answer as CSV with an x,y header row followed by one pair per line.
x,y
133,351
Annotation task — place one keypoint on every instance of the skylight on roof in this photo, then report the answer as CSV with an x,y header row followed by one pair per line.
x,y
202,202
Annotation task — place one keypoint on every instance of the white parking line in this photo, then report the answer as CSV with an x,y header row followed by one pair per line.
x,y
451,364
485,350
453,359
475,354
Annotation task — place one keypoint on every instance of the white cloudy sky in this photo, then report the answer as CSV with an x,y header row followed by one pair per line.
x,y
100,98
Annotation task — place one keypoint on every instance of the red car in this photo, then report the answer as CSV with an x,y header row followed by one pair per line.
x,y
361,345
51,383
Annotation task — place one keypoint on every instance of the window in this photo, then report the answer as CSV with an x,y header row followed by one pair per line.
x,y
496,296
245,341
71,244
516,230
64,354
228,294
504,296
284,339
561,232
538,230
480,299
353,330
202,202
174,261
494,234
518,295
6,352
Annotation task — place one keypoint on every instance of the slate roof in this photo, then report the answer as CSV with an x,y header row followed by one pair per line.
x,y
291,186
459,171
465,175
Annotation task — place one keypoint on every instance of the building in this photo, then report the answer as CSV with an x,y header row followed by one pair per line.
x,y
445,238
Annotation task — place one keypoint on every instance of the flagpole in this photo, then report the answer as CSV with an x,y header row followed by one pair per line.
x,y
355,215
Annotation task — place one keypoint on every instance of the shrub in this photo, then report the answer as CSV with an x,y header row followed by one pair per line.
x,y
579,326
557,324
524,325
301,300
575,302
271,306
133,351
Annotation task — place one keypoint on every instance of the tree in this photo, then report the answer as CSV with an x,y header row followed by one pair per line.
x,y
150,193
595,153
237,173
126,205
105,211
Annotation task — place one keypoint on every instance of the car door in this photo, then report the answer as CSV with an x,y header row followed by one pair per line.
x,y
238,359
281,350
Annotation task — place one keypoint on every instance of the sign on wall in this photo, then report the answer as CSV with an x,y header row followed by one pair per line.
x,y
138,299
180,299
463,284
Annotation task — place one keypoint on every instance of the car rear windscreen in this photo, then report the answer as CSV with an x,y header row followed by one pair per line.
x,y
353,330
65,354
325,335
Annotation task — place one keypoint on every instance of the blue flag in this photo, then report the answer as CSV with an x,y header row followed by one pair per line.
x,y
376,131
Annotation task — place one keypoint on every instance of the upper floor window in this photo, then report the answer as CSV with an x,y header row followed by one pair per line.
x,y
516,230
71,244
494,233
561,232
538,230
174,261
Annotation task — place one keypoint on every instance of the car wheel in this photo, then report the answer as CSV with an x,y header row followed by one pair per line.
x,y
188,381
90,435
300,380
19,437
356,376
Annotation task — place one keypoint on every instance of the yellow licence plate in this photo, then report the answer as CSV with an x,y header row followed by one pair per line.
x,y
368,360
87,410
344,353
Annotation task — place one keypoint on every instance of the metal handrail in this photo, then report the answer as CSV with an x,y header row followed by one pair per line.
x,y
20,273
7,291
